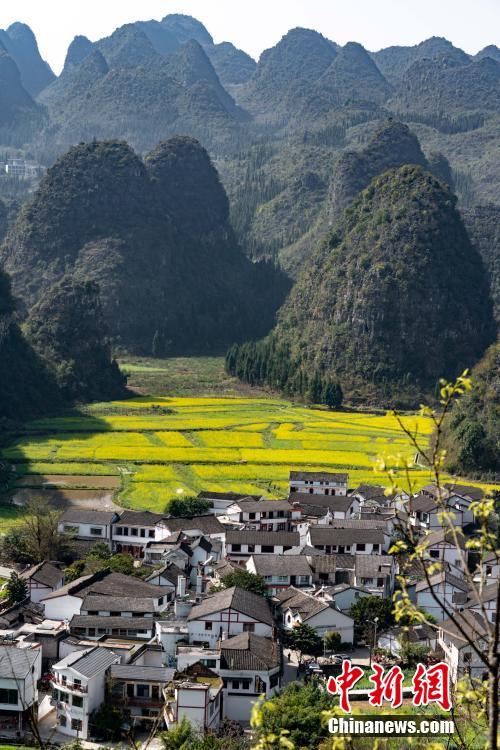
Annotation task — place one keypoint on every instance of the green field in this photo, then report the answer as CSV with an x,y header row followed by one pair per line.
x,y
170,446
165,447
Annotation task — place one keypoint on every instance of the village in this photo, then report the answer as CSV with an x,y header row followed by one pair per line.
x,y
178,642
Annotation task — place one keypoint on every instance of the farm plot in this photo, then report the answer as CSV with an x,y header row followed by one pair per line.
x,y
161,448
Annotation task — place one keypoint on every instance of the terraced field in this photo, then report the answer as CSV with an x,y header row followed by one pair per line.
x,y
163,447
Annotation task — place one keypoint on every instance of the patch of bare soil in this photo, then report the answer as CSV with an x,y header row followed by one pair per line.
x,y
65,480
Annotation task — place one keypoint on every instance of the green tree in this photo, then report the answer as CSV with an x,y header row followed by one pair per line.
x,y
297,711
412,653
244,580
39,528
16,588
13,547
181,737
303,639
74,571
332,394
100,551
107,721
188,507
364,612
332,641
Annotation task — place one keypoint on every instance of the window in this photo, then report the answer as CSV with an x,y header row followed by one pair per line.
x,y
251,516
64,679
77,701
76,681
236,547
274,680
209,662
151,534
380,582
91,631
376,547
76,725
143,532
142,691
71,529
434,553
245,684
8,696
134,532
115,614
267,548
248,627
160,600
95,531
208,625
303,580
281,579
251,547
467,656
62,721
360,547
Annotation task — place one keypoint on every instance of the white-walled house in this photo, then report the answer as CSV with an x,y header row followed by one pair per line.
x,y
460,657
488,602
264,515
298,607
343,595
139,687
451,591
317,507
440,546
328,539
228,613
66,602
281,571
87,525
195,695
78,685
132,530
240,545
20,670
250,666
320,482
375,573
42,579
208,526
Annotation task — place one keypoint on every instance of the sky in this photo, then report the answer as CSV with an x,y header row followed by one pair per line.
x,y
256,25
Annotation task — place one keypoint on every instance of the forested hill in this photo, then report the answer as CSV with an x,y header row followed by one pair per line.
x,y
155,236
381,305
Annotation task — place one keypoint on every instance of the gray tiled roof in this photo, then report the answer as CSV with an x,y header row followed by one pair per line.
x,y
318,476
252,506
45,573
331,563
373,566
81,515
282,565
277,538
443,576
139,518
472,624
137,672
307,606
465,490
95,602
250,652
328,535
208,524
94,662
16,663
123,623
236,598
108,584
340,503
358,523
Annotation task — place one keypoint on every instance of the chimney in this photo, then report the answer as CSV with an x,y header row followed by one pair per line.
x,y
199,584
181,586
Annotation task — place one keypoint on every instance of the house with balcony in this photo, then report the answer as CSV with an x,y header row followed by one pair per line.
x,y
20,670
250,666
263,515
42,579
318,482
78,689
280,572
132,530
228,613
138,689
242,544
94,627
88,526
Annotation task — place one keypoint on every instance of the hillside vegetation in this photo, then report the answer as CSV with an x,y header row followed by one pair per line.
x,y
380,307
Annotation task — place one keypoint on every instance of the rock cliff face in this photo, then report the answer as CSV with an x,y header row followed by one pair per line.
x,y
381,306
156,238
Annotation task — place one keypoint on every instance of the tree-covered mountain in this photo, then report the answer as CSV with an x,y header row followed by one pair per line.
x,y
20,117
380,306
471,433
393,62
392,144
155,236
483,226
20,42
26,386
66,328
232,65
